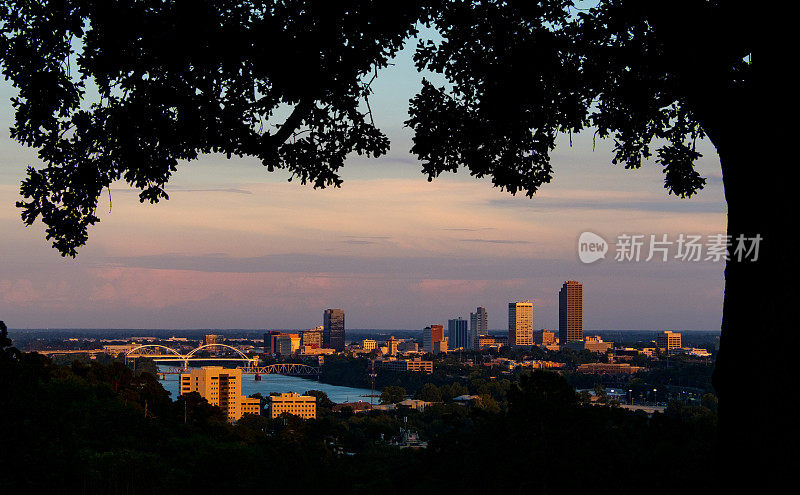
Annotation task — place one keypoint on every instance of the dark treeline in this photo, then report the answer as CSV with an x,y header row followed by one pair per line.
x,y
103,428
452,377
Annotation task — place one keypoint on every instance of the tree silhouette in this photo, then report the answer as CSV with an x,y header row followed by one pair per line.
x,y
281,81
288,82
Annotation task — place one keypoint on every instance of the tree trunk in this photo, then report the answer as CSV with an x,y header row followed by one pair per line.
x,y
750,375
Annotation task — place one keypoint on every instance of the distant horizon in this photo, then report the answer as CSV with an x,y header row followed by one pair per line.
x,y
100,329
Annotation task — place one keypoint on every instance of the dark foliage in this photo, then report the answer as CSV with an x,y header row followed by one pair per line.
x,y
103,429
126,90
284,82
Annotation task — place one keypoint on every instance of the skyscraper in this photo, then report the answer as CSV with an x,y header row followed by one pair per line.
x,y
570,312
457,333
520,323
333,329
431,335
478,325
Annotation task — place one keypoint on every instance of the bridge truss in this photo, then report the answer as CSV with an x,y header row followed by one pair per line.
x,y
292,369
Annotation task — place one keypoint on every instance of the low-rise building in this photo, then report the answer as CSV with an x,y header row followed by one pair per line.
x,y
357,407
407,346
416,404
541,365
592,343
691,351
369,345
310,351
415,364
440,346
304,406
544,337
609,368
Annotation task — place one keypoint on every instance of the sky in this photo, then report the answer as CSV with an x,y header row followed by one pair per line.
x,y
239,247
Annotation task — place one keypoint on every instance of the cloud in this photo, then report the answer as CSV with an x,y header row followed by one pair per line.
x,y
179,189
656,205
369,236
359,241
495,241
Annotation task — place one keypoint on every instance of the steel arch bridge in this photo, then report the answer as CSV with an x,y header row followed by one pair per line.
x,y
161,353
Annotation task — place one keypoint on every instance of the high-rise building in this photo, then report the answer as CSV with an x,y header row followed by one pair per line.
x,y
457,333
221,387
570,312
668,340
333,329
478,325
432,334
520,323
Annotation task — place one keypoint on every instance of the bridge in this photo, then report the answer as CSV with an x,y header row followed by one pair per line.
x,y
292,369
164,354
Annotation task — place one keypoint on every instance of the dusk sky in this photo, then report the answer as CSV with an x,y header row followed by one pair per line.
x,y
239,247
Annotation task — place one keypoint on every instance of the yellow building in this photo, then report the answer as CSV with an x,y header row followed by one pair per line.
x,y
668,340
221,387
520,323
304,406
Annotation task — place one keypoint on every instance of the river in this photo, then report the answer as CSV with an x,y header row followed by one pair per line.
x,y
281,383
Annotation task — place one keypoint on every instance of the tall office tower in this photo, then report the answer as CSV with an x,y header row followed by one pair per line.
x,y
457,334
221,387
520,323
333,329
431,335
570,312
478,325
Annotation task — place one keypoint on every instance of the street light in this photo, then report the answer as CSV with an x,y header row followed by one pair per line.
x,y
655,396
630,396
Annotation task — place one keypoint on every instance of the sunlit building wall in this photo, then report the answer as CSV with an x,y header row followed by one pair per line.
x,y
520,323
